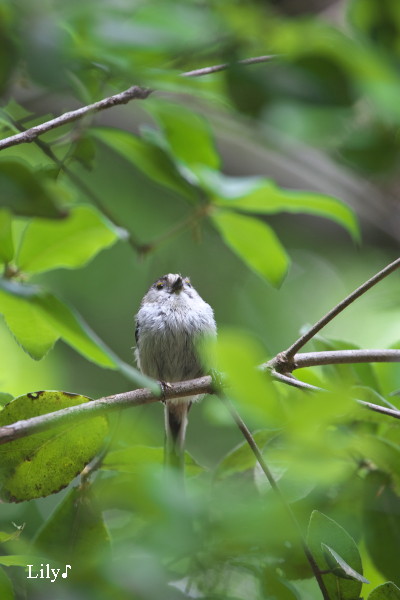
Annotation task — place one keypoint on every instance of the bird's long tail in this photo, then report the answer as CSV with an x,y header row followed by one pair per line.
x,y
176,420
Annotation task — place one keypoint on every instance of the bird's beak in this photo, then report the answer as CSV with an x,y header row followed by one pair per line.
x,y
177,285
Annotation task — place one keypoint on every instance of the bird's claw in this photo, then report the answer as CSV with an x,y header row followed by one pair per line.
x,y
164,386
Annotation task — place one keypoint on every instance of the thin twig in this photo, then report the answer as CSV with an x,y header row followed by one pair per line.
x,y
134,92
301,385
215,68
293,382
274,485
389,412
294,348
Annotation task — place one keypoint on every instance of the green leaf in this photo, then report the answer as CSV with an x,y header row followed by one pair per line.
x,y
237,355
6,537
69,243
4,398
75,533
72,330
6,240
242,457
24,194
382,524
19,560
379,22
386,591
275,587
25,318
9,50
6,588
339,567
84,152
44,463
363,372
152,160
188,134
324,531
383,453
263,196
138,458
255,243
38,319
293,484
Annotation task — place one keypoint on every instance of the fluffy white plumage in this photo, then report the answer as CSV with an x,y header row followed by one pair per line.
x,y
171,323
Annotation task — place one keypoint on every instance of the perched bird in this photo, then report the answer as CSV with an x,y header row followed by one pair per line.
x,y
171,323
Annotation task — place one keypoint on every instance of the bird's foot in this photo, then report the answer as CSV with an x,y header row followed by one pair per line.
x,y
164,386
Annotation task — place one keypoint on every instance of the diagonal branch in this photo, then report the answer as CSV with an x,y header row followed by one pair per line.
x,y
293,382
134,92
216,68
291,351
302,385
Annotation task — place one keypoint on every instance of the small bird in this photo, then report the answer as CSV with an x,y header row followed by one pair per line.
x,y
171,323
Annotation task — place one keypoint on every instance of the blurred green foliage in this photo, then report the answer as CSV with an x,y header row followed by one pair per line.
x,y
92,212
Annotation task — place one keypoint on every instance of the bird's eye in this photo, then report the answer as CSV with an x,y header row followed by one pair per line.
x,y
160,285
187,281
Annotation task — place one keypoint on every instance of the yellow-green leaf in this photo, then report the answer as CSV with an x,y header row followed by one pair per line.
x,y
69,243
255,243
44,463
152,160
38,319
6,240
262,196
23,192
138,458
323,531
187,134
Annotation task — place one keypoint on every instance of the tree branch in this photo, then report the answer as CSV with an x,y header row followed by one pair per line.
x,y
294,348
302,385
202,385
8,433
341,357
293,382
384,410
282,364
280,368
134,92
